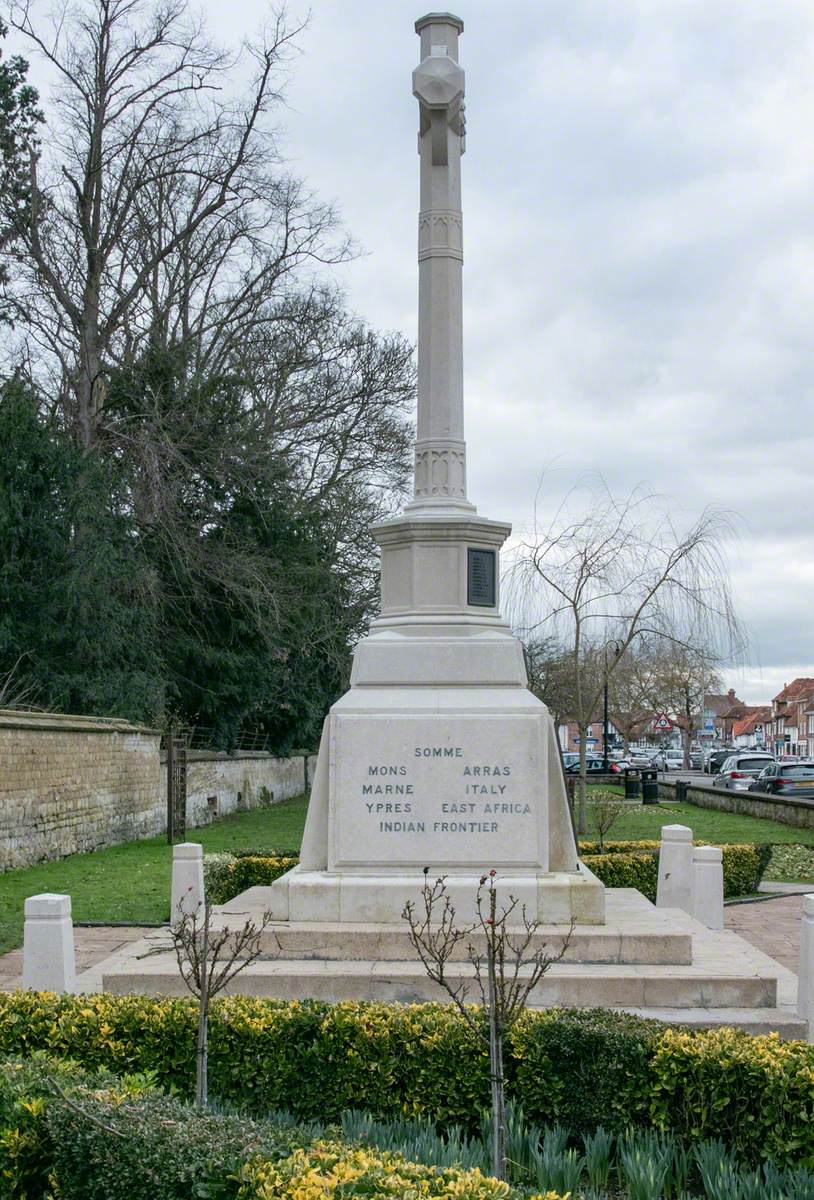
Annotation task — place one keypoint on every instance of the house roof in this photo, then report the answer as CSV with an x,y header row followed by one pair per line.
x,y
758,715
798,689
720,705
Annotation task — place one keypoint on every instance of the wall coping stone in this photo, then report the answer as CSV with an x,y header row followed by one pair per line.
x,y
754,797
12,718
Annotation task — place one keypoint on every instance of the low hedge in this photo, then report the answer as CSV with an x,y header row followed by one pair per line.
x,y
636,865
582,1067
227,875
621,864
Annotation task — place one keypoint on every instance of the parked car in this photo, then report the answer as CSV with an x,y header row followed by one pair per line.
x,y
640,758
696,759
716,759
739,770
594,766
569,757
668,760
786,779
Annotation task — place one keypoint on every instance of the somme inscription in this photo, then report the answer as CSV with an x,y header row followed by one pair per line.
x,y
469,800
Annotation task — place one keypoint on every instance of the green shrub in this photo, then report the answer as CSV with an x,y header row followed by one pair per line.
x,y
29,1088
584,1068
756,1093
155,1148
615,870
227,875
617,847
579,1067
791,864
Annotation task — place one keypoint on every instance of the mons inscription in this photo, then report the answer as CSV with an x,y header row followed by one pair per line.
x,y
466,795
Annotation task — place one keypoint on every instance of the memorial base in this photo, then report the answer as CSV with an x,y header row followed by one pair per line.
x,y
554,898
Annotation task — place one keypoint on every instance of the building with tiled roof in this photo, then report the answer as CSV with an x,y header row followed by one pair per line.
x,y
791,718
753,728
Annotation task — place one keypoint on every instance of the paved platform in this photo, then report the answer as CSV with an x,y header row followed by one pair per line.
x,y
772,925
92,947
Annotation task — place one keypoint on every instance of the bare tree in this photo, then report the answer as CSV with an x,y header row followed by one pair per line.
x,y
506,970
684,674
631,688
606,810
208,961
159,212
620,570
550,671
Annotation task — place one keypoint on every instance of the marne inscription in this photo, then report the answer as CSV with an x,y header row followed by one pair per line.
x,y
489,782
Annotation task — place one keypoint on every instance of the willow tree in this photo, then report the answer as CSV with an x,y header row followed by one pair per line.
x,y
603,574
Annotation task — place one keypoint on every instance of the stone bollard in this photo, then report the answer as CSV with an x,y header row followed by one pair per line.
x,y
48,950
805,975
708,886
187,880
674,888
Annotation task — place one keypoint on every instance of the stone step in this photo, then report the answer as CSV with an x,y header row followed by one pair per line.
x,y
700,986
634,932
781,1020
391,943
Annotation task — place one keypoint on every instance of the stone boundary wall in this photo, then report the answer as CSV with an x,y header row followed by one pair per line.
x,y
73,783
786,810
219,784
70,784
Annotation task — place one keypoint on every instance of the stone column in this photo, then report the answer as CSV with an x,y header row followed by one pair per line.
x,y
187,880
675,868
805,975
708,886
48,947
438,84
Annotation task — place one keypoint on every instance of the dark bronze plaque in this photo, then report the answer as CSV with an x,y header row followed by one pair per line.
x,y
480,579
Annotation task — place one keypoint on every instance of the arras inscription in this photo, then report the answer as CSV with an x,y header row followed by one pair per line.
x,y
469,800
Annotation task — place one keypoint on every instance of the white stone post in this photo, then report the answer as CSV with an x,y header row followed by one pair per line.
x,y
674,888
187,880
48,950
708,886
805,975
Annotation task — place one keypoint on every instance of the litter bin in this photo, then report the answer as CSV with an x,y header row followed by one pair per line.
x,y
650,786
681,790
633,783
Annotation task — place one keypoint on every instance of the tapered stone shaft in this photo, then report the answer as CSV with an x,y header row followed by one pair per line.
x,y
438,84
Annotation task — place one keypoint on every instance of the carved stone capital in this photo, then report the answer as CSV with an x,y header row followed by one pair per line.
x,y
440,234
440,469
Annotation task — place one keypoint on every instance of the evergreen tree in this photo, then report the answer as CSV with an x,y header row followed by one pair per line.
x,y
76,614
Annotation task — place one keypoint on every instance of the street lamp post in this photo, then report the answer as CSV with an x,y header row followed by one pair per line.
x,y
617,648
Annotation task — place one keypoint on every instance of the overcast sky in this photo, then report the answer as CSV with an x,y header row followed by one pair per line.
x,y
639,240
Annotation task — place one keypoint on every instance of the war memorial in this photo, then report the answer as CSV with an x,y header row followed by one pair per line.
x,y
439,756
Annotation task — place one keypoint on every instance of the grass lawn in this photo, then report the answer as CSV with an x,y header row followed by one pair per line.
x,y
132,882
645,821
